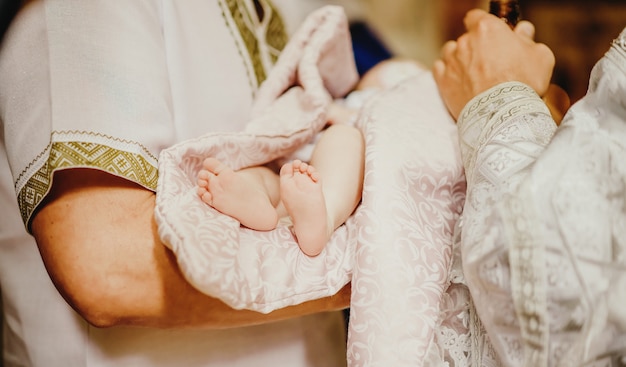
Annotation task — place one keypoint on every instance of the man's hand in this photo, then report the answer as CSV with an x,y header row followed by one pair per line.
x,y
488,54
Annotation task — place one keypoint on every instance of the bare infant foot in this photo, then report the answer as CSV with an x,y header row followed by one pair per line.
x,y
301,193
237,195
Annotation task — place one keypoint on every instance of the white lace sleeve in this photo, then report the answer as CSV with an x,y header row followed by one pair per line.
x,y
544,228
502,132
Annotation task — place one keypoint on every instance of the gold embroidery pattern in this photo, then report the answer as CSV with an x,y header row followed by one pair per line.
x,y
275,37
125,164
133,166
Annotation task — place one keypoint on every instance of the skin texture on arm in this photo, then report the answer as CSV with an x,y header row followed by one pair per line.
x,y
488,54
99,243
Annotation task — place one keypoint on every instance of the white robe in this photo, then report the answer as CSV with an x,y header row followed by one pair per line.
x,y
107,85
543,232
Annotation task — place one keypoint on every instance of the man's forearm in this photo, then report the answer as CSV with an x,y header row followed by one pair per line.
x,y
99,242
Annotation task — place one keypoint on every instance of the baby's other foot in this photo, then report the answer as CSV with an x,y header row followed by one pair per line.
x,y
301,193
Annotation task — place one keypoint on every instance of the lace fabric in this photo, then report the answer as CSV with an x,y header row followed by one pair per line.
x,y
543,234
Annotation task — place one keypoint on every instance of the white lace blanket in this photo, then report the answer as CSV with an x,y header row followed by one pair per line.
x,y
397,247
262,271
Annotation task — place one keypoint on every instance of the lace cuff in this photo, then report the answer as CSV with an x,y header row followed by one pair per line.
x,y
487,114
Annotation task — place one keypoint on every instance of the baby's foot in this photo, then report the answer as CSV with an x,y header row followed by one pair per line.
x,y
236,195
301,193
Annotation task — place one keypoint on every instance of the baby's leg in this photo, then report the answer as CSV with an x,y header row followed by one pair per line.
x,y
249,195
302,196
339,158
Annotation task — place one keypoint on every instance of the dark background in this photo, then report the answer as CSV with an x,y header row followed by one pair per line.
x,y
579,32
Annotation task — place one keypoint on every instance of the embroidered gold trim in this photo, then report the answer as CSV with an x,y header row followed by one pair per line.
x,y
131,166
275,37
134,166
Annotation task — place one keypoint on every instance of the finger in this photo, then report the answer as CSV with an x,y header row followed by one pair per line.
x,y
547,53
525,29
479,21
463,49
448,49
439,69
473,18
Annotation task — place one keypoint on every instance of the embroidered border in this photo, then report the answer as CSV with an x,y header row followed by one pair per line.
x,y
137,167
528,278
131,166
484,115
275,35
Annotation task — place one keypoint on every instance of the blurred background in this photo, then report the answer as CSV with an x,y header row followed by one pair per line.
x,y
578,31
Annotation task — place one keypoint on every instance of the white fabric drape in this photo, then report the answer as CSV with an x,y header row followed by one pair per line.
x,y
544,225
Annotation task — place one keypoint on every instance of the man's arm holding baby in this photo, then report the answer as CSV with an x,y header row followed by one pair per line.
x,y
98,238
